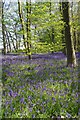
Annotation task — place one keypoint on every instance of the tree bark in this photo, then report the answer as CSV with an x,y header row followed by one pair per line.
x,y
22,22
71,58
28,27
15,31
73,30
8,42
3,30
52,29
12,41
78,33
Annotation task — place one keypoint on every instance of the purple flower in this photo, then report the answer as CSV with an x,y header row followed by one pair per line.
x,y
11,107
37,86
33,116
29,97
44,89
15,94
7,102
11,74
53,98
10,93
22,100
68,115
55,92
30,109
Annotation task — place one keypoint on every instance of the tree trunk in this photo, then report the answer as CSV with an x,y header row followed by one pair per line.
x,y
15,31
73,29
22,22
12,41
8,42
78,33
71,58
52,29
28,29
63,31
3,30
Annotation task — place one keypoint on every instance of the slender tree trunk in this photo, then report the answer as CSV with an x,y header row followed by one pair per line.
x,y
28,29
75,39
52,29
12,41
73,29
16,37
35,32
3,30
78,33
22,22
19,43
8,41
71,58
7,46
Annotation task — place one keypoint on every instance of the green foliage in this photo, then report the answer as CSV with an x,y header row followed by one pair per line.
x,y
41,47
45,22
42,22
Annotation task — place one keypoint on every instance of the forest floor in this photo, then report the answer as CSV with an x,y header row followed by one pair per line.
x,y
39,88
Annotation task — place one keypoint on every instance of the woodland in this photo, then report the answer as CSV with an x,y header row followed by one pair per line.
x,y
40,53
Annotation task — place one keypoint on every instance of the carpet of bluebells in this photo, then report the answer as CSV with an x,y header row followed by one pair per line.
x,y
39,88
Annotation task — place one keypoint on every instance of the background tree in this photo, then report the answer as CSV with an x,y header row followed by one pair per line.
x,y
22,23
26,24
3,30
78,26
10,20
28,27
74,23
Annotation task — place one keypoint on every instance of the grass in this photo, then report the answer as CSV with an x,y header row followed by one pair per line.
x,y
42,88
